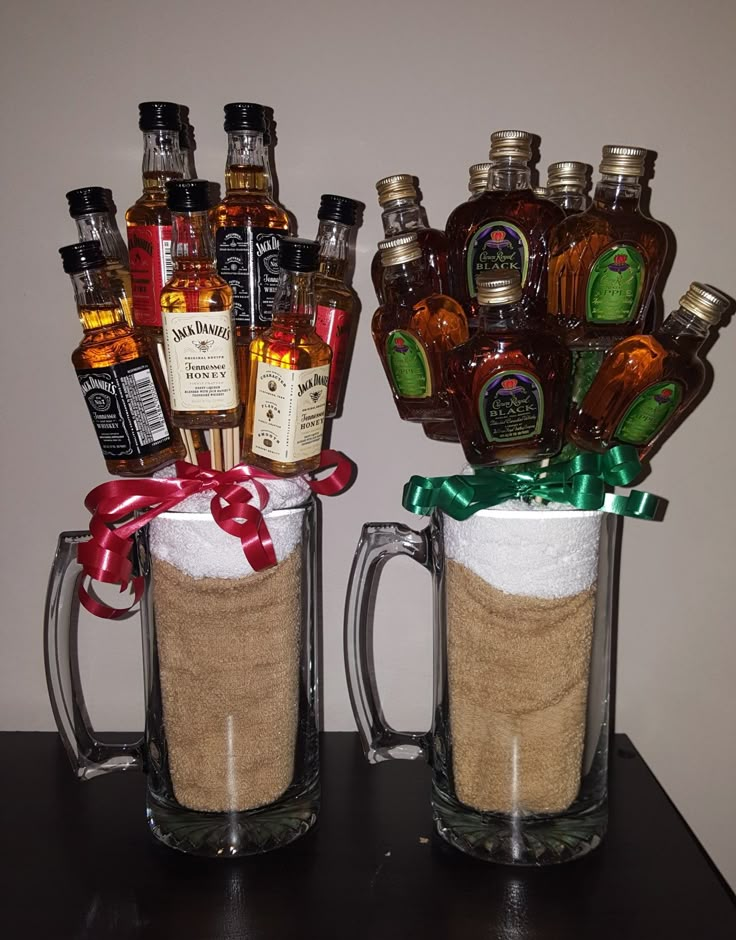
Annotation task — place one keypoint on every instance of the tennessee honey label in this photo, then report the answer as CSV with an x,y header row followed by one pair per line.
x,y
149,247
200,361
126,409
289,412
248,259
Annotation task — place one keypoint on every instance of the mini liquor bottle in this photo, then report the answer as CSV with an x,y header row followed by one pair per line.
x,y
541,191
289,373
120,379
335,301
567,186
506,228
413,331
478,178
399,200
197,315
604,262
93,210
187,145
647,383
508,384
149,219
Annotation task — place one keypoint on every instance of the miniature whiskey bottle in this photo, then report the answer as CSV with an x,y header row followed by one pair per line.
x,y
567,185
120,379
289,373
335,301
413,331
401,214
149,219
647,383
93,210
187,145
196,310
478,178
505,228
604,262
508,384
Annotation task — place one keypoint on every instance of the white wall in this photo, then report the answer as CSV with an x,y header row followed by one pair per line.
x,y
361,90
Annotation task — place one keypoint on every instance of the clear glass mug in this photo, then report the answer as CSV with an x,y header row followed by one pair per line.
x,y
522,645
230,746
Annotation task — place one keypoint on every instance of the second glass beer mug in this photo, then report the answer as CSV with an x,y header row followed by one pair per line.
x,y
522,624
230,744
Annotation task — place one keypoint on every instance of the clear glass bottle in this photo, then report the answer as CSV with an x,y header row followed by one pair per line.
x,y
335,300
508,384
289,373
197,315
149,219
567,185
478,178
187,144
119,378
646,384
93,211
413,331
604,263
505,228
399,200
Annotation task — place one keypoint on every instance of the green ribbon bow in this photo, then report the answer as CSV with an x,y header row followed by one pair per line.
x,y
580,481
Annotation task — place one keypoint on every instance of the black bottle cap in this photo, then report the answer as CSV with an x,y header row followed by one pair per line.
x,y
298,254
159,116
188,195
245,116
338,209
82,256
89,199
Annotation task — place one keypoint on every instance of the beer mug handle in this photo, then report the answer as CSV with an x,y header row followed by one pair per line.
x,y
89,756
379,542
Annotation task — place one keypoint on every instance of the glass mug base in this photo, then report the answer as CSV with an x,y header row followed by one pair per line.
x,y
229,835
519,840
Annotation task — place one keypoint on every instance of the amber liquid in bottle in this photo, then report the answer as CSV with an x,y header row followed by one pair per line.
x,y
505,228
413,332
284,415
196,288
508,387
644,385
109,342
603,266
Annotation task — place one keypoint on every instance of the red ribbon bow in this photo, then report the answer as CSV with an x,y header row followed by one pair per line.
x,y
106,556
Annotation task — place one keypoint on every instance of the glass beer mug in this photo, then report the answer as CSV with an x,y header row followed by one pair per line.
x,y
230,744
522,639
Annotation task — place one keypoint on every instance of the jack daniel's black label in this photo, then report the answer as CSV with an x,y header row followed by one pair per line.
x,y
248,259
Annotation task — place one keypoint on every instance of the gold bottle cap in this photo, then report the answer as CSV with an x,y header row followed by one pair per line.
x,y
399,249
515,144
540,191
567,176
400,186
623,161
478,181
498,287
705,302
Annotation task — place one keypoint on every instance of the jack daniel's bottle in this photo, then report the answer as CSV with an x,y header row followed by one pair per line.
x,y
120,380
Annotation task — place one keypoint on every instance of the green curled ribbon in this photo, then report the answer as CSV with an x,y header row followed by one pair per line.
x,y
580,481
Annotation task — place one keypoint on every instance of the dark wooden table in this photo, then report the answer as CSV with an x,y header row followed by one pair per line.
x,y
78,862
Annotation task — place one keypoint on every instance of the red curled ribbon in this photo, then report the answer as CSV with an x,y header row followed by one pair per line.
x,y
106,556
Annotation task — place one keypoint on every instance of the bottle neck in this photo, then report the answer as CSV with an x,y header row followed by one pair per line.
x,y
191,240
570,202
102,227
617,192
509,173
96,304
686,329
406,283
189,170
500,316
293,304
247,168
402,215
333,248
161,159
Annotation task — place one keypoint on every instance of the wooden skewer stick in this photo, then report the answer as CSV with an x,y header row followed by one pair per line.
x,y
236,445
216,448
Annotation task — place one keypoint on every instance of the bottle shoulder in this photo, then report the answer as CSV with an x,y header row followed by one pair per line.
x,y
240,208
502,205
610,227
191,293
107,346
149,209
